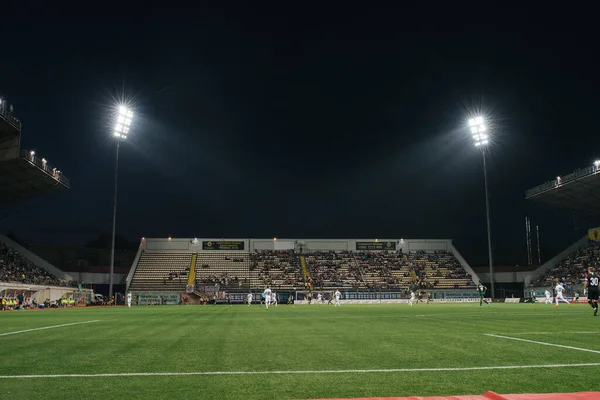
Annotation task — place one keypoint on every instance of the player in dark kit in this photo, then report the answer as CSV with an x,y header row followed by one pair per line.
x,y
481,290
591,284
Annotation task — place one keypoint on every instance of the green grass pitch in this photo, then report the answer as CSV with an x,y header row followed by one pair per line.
x,y
180,339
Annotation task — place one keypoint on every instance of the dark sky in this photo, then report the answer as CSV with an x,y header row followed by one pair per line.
x,y
302,122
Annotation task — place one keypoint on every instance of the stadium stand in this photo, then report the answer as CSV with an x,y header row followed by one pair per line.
x,y
229,270
572,269
14,267
165,265
440,270
278,269
161,272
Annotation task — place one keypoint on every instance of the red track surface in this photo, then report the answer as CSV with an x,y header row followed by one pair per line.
x,y
495,396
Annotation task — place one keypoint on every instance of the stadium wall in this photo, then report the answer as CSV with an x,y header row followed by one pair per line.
x,y
194,245
36,259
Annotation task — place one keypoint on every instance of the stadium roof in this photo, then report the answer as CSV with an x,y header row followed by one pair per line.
x,y
578,191
28,176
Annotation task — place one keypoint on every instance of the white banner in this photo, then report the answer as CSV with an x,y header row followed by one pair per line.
x,y
512,300
156,298
469,300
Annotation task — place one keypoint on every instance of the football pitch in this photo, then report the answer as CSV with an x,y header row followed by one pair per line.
x,y
300,352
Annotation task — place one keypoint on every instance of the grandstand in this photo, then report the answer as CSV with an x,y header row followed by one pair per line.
x,y
23,173
575,192
207,265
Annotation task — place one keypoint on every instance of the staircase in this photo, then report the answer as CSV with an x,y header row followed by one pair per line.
x,y
192,274
305,273
413,274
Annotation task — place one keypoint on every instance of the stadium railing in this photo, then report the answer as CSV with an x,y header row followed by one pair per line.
x,y
42,164
562,180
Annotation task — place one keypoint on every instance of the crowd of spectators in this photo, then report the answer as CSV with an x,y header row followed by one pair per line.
x,y
14,267
279,269
572,270
334,269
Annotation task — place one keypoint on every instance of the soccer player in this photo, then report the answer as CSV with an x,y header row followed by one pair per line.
x,y
291,300
412,298
267,294
591,284
533,298
548,297
319,298
338,296
129,299
249,298
559,294
576,300
482,289
274,298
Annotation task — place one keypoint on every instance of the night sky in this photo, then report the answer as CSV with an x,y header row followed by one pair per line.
x,y
302,122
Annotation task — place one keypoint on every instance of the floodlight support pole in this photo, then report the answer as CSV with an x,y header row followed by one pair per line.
x,y
489,235
114,225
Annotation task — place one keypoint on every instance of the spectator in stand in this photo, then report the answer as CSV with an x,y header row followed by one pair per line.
x,y
14,267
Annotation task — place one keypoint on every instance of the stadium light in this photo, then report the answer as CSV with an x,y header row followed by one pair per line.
x,y
122,124
597,163
481,139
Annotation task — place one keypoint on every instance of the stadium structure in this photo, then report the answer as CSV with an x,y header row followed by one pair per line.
x,y
23,173
577,192
366,270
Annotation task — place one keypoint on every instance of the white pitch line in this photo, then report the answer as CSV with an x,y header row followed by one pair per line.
x,y
48,327
340,371
554,333
542,343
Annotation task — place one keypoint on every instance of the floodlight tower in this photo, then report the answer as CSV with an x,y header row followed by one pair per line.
x,y
124,117
481,140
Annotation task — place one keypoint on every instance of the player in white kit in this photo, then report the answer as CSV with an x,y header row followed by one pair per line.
x,y
338,296
267,294
412,298
129,299
249,298
320,298
274,298
548,297
559,294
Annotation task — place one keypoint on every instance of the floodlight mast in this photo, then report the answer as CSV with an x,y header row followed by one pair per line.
x,y
481,141
124,118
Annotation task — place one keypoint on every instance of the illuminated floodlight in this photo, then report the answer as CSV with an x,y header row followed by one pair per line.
x,y
478,130
597,163
32,153
124,118
44,160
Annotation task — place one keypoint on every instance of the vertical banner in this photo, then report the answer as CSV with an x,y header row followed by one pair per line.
x,y
594,234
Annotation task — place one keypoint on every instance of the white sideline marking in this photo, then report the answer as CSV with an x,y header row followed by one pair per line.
x,y
542,343
339,371
48,327
554,333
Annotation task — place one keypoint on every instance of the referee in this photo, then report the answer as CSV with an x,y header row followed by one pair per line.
x,y
591,284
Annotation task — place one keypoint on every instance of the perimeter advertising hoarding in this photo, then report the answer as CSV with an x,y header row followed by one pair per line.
x,y
223,245
156,298
375,245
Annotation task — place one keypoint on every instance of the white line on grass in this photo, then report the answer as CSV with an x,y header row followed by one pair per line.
x,y
48,327
552,333
339,371
542,343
